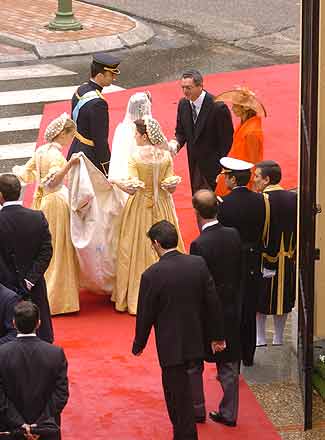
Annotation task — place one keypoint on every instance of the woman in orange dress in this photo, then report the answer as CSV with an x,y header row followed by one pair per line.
x,y
248,136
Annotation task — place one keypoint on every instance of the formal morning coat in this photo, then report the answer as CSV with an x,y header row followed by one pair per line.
x,y
208,140
221,249
25,245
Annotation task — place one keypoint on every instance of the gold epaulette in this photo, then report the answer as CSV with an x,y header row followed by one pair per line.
x,y
84,140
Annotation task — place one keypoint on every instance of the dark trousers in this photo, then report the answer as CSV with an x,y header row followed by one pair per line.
x,y
195,374
248,337
250,289
228,376
179,403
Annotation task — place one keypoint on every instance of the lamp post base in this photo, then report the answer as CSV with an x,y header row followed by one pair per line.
x,y
65,21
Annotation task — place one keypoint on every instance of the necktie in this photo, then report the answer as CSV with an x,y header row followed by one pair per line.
x,y
194,112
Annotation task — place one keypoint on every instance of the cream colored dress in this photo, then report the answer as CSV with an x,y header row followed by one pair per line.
x,y
148,206
62,273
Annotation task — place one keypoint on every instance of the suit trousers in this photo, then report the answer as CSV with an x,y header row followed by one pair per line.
x,y
179,402
248,321
195,374
228,376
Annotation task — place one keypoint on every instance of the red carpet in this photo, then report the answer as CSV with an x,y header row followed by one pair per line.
x,y
113,394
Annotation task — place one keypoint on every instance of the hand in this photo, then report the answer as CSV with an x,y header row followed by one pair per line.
x,y
75,158
139,353
173,147
29,285
171,188
217,346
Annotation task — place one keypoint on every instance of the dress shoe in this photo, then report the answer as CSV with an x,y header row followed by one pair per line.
x,y
248,363
218,418
200,419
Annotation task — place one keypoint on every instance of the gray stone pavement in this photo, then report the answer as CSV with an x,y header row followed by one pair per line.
x,y
265,26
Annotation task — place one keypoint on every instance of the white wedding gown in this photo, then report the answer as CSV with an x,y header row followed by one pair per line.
x,y
95,212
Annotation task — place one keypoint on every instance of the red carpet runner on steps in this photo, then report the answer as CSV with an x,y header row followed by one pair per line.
x,y
113,394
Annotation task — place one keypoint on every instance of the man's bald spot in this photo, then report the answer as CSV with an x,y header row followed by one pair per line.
x,y
205,202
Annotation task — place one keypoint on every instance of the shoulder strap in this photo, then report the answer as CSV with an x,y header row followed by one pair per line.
x,y
266,230
82,100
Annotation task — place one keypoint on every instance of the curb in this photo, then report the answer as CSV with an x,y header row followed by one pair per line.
x,y
36,49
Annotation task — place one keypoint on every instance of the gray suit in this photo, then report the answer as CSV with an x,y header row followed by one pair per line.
x,y
221,249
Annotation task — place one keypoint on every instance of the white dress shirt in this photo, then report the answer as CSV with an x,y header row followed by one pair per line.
x,y
15,202
214,222
25,335
199,101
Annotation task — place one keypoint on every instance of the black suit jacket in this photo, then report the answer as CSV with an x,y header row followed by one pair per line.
x,y
8,300
221,249
208,140
33,382
93,124
178,297
25,244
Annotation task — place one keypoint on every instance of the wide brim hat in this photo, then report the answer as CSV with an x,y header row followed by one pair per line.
x,y
244,97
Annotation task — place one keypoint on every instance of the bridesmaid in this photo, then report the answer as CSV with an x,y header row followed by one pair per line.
x,y
150,184
248,140
48,168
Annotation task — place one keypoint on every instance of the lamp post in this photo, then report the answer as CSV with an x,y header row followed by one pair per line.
x,y
64,19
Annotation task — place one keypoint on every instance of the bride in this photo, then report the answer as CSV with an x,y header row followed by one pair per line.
x,y
124,144
150,182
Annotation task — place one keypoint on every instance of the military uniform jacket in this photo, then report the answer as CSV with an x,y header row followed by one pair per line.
x,y
244,210
279,252
92,127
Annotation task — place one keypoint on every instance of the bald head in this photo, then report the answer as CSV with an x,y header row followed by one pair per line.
x,y
205,203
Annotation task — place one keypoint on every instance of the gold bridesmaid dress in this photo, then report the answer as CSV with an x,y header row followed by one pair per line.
x,y
62,274
142,210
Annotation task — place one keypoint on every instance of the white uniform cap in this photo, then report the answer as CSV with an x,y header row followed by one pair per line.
x,y
229,163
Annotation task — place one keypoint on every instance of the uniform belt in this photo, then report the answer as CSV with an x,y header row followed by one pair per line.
x,y
84,140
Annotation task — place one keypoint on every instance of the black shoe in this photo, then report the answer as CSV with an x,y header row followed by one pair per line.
x,y
200,419
218,418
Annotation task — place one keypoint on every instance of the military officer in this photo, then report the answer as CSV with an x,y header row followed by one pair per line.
x,y
90,112
244,210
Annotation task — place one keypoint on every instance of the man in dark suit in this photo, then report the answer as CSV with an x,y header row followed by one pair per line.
x,y
221,249
26,249
245,210
90,112
8,300
33,378
178,297
206,127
